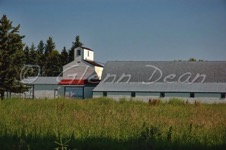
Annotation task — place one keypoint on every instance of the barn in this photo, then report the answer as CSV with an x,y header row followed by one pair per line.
x,y
199,80
77,79
43,87
82,75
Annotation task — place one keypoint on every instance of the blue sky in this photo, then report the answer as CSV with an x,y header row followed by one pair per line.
x,y
126,29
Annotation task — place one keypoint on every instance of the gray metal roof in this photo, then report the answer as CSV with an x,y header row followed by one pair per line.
x,y
160,87
141,71
41,80
164,76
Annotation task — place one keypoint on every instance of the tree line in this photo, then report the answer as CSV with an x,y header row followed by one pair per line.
x,y
14,55
49,60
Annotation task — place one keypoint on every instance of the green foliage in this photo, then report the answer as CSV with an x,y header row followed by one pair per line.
x,y
53,64
103,123
64,56
11,57
75,44
33,55
50,46
41,56
49,60
192,59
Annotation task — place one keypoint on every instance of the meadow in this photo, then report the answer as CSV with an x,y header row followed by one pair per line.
x,y
102,123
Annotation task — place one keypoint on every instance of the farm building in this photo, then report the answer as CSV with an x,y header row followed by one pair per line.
x,y
77,80
81,75
163,79
43,87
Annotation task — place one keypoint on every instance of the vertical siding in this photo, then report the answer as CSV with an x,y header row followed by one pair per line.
x,y
209,95
88,55
97,94
147,95
118,95
177,94
99,71
47,91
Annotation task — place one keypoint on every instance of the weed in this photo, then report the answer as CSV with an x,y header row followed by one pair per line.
x,y
103,123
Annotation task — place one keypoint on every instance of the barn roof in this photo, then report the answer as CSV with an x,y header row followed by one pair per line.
x,y
41,80
163,76
141,71
161,87
93,63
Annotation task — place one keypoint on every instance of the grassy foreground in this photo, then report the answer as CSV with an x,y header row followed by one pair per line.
x,y
106,124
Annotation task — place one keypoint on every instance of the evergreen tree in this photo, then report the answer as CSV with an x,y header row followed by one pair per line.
x,y
50,46
192,59
75,44
33,55
53,64
41,47
11,57
27,55
40,56
64,56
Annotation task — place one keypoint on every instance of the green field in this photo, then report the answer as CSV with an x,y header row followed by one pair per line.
x,y
106,124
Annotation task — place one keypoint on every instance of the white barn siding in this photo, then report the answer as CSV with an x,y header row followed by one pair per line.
x,y
88,55
208,95
48,91
99,71
119,95
97,94
178,95
146,95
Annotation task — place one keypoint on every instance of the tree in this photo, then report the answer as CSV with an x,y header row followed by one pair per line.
x,y
192,59
53,64
75,44
27,55
50,46
64,56
33,55
41,47
11,57
40,55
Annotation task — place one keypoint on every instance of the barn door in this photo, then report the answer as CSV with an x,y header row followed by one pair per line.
x,y
74,92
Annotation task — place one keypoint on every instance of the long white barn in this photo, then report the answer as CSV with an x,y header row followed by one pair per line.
x,y
203,80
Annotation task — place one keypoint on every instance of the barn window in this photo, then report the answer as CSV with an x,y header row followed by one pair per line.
x,y
104,94
222,95
162,94
133,94
192,95
78,52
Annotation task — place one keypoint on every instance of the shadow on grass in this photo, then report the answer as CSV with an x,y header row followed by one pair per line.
x,y
98,143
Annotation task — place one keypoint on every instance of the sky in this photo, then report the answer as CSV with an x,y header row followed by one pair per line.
x,y
127,30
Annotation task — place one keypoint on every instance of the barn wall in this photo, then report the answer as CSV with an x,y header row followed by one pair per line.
x,y
97,94
88,55
99,71
208,95
118,95
146,95
177,94
48,91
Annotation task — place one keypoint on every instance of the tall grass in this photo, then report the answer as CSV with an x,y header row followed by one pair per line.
x,y
107,124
